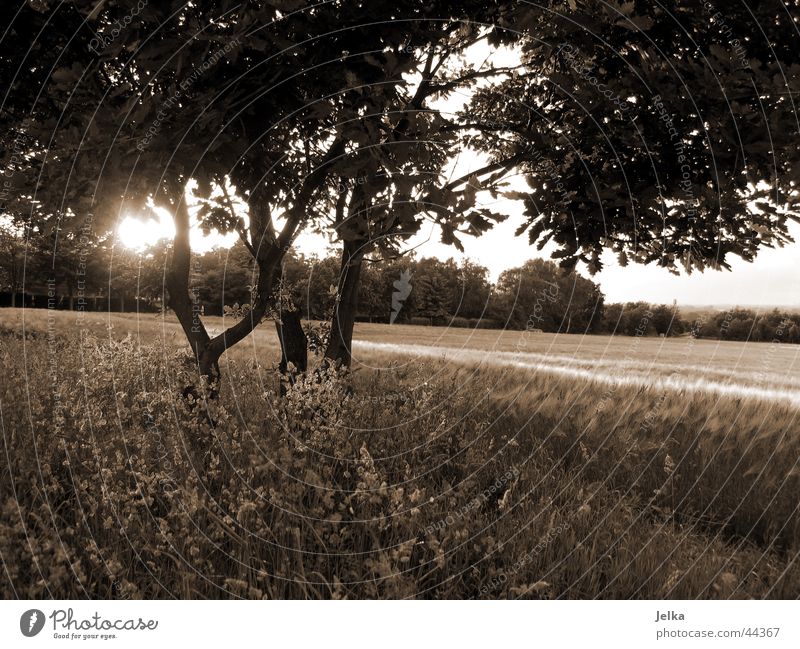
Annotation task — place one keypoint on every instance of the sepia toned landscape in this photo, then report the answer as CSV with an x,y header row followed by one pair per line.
x,y
461,300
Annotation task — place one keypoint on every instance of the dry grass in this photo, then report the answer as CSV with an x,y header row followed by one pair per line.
x,y
427,480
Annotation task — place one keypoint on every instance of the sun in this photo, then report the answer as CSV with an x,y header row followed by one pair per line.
x,y
137,233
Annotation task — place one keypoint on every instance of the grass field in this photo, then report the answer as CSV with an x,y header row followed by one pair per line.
x,y
770,371
456,464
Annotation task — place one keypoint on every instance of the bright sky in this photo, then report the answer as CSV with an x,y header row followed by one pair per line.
x,y
773,279
137,234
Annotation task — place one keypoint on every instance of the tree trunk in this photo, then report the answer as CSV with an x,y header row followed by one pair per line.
x,y
265,285
292,338
183,304
340,345
294,347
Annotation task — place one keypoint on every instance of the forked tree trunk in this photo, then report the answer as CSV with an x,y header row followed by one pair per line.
x,y
268,248
207,350
340,345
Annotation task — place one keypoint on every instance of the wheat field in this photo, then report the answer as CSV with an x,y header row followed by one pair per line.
x,y
448,464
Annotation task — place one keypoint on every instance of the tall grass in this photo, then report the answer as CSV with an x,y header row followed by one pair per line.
x,y
415,480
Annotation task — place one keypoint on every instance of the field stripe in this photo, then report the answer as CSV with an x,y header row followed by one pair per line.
x,y
676,381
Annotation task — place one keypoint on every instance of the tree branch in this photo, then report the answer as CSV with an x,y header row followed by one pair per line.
x,y
506,164
239,227
269,261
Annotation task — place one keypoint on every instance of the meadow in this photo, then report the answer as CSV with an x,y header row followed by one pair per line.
x,y
449,463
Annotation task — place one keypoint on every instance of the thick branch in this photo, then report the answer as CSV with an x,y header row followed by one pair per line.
x,y
450,84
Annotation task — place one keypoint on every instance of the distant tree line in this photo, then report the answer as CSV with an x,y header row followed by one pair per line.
x,y
65,270
746,324
642,318
537,296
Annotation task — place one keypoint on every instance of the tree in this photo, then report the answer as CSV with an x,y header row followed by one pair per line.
x,y
540,295
666,320
473,298
372,300
395,176
644,134
672,127
317,295
12,259
222,278
176,99
432,295
637,319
